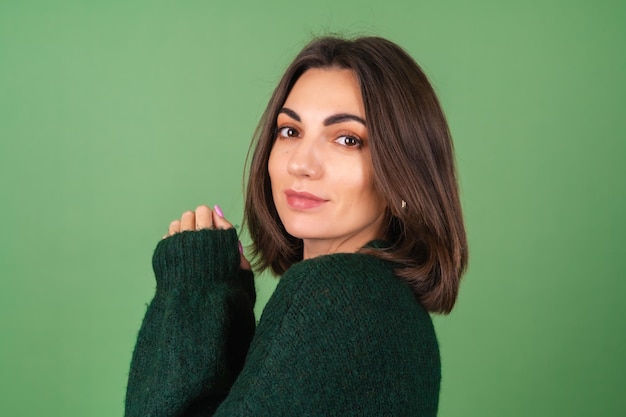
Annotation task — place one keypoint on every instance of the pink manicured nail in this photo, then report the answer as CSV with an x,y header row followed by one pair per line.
x,y
219,211
240,247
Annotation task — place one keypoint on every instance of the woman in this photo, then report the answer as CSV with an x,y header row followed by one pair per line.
x,y
352,198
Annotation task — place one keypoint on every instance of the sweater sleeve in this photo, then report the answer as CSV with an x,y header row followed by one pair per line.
x,y
341,335
197,329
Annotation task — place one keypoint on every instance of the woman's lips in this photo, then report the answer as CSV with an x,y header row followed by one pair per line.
x,y
303,200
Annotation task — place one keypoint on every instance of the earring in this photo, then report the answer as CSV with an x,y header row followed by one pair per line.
x,y
403,204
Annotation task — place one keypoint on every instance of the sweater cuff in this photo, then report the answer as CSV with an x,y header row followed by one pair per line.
x,y
196,259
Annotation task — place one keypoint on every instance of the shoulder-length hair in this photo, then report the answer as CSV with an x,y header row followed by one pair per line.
x,y
413,161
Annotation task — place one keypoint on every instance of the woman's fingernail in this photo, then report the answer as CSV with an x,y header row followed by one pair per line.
x,y
219,211
240,247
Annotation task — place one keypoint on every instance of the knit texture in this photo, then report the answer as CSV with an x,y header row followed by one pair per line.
x,y
340,336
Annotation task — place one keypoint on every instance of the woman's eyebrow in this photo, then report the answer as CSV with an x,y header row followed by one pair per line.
x,y
342,117
290,113
335,118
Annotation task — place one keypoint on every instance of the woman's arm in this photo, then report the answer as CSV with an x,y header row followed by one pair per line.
x,y
197,329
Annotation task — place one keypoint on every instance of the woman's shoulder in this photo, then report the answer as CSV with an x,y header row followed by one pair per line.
x,y
353,303
342,330
358,285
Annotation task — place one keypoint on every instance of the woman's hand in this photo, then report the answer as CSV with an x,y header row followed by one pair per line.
x,y
204,218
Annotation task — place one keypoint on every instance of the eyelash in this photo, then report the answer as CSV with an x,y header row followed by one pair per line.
x,y
282,133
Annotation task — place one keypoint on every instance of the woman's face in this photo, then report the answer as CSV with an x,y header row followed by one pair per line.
x,y
320,165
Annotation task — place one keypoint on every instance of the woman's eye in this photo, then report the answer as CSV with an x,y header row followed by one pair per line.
x,y
349,141
287,132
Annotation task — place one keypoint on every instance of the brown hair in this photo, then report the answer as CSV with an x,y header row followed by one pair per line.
x,y
413,162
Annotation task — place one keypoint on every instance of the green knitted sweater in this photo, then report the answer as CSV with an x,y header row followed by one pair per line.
x,y
340,336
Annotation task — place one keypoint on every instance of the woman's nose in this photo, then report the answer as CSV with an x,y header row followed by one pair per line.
x,y
305,159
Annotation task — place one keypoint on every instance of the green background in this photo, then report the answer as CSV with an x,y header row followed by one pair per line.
x,y
115,116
